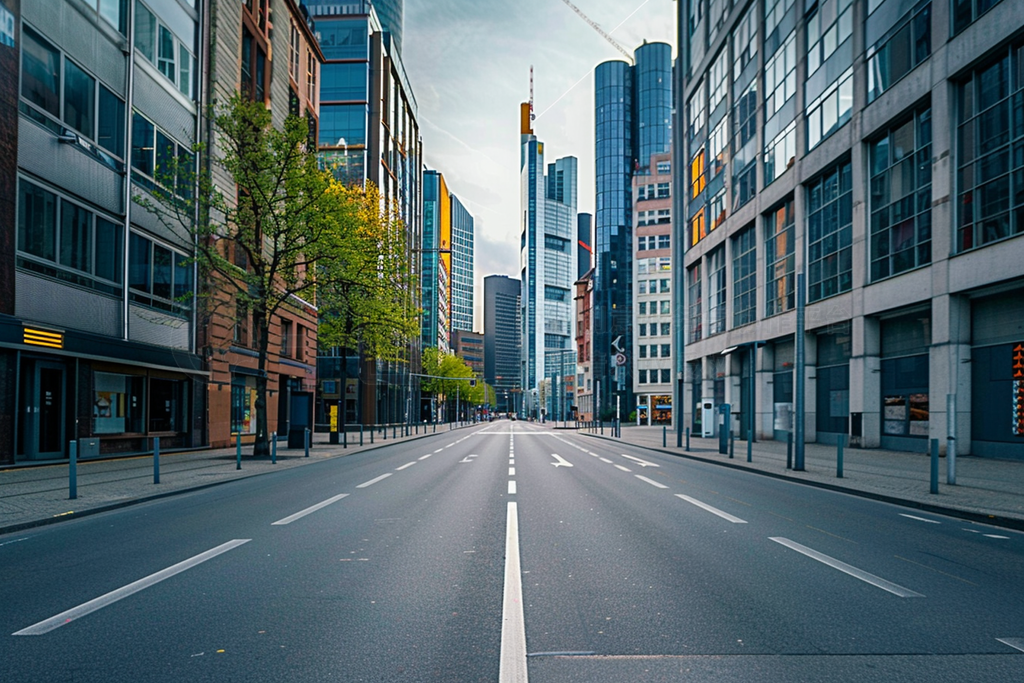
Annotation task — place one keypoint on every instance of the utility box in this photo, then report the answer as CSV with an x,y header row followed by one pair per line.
x,y
707,419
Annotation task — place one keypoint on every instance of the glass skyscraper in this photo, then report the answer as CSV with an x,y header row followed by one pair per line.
x,y
633,112
462,267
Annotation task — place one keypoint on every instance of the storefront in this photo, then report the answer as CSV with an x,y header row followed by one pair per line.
x,y
905,399
833,384
997,376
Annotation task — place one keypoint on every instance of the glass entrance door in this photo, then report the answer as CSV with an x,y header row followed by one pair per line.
x,y
42,413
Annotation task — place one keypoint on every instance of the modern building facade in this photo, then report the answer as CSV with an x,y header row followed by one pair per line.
x,y
502,341
633,114
857,154
584,299
462,273
98,317
436,255
584,244
653,292
469,346
548,201
369,133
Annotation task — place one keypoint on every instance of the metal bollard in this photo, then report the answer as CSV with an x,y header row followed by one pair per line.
x,y
273,448
687,438
344,438
156,459
935,466
789,450
394,431
371,435
360,435
306,440
385,431
73,470
238,451
750,445
664,436
839,456
732,446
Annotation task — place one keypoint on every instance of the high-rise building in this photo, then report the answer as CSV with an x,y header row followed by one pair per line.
x,y
437,232
369,132
584,244
857,155
469,346
548,201
584,300
462,253
502,342
633,112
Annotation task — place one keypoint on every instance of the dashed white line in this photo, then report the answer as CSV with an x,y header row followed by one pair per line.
x,y
848,569
604,460
919,519
642,463
713,510
373,481
511,488
99,603
408,464
313,508
624,469
425,456
651,481
511,471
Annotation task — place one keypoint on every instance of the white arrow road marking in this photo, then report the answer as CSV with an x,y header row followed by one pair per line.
x,y
469,458
715,511
848,569
1015,643
123,592
562,462
642,463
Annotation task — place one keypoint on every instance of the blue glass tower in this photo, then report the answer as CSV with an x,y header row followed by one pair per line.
x,y
633,112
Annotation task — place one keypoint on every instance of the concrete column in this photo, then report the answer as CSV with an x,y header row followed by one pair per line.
x,y
866,379
949,370
765,392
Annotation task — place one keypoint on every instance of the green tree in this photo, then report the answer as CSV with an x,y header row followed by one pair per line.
x,y
448,377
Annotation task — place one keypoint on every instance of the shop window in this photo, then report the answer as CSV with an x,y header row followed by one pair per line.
x,y
117,403
168,402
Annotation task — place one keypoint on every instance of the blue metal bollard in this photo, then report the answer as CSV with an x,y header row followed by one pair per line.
x,y
687,438
750,445
789,450
73,470
238,451
664,436
156,459
839,456
344,438
935,466
360,435
273,448
732,446
306,439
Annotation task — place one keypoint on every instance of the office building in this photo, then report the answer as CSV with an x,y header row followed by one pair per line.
x,y
633,113
585,399
584,244
469,346
653,293
858,155
548,201
436,255
462,275
502,342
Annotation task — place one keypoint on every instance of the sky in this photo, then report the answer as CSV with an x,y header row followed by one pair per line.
x,y
468,63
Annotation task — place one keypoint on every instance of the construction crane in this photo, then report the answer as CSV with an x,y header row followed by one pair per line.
x,y
596,27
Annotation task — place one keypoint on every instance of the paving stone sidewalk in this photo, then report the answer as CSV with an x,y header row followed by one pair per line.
x,y
986,489
32,496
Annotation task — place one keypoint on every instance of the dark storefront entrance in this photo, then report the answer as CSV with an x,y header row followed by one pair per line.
x,y
41,410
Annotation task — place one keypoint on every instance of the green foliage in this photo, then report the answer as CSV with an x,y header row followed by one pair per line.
x,y
441,366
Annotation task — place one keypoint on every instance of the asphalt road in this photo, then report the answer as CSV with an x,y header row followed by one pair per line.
x,y
506,551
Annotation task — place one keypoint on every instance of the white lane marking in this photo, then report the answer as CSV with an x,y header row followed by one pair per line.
x,y
313,508
468,458
408,464
373,481
562,462
511,488
642,463
651,481
1005,538
99,603
511,471
425,456
593,454
438,450
713,510
1015,643
512,662
919,519
448,445
848,569
604,460
624,469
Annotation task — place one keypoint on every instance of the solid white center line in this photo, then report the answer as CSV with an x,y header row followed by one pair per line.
x,y
642,463
511,471
624,469
651,481
1015,643
848,569
123,592
373,481
408,464
919,519
314,508
512,661
511,488
715,511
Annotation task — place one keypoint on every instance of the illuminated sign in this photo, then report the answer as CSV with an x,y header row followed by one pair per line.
x,y
48,338
1018,388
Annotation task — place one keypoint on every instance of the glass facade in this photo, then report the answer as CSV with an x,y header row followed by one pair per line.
x,y
830,233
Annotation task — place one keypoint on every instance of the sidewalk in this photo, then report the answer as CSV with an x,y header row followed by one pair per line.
x,y
986,490
32,496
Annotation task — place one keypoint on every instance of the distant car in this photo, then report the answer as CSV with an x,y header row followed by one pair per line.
x,y
512,417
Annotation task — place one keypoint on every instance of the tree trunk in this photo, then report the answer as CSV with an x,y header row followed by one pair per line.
x,y
261,325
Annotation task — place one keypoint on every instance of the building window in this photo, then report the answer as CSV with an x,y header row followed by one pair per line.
x,y
717,210
159,160
966,12
901,197
900,50
698,230
642,376
666,329
822,41
744,186
830,234
643,350
643,330
716,291
831,110
780,260
780,77
664,241
717,80
774,12
745,151
164,50
718,148
61,239
293,55
744,277
159,277
780,153
664,167
990,192
697,173
342,125
663,190
666,350
697,113
744,42
343,82
254,65
286,338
